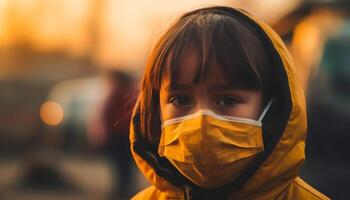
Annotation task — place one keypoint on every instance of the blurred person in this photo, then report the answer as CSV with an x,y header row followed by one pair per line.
x,y
319,33
329,115
309,38
111,131
221,113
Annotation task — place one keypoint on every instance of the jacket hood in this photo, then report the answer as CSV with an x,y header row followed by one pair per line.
x,y
284,133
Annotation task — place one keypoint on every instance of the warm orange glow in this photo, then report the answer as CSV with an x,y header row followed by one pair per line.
x,y
306,36
114,33
309,37
51,113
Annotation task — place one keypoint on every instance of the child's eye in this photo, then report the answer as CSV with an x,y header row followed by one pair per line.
x,y
226,101
183,101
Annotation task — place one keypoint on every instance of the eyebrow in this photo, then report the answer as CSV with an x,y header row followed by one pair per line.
x,y
224,86
178,87
190,86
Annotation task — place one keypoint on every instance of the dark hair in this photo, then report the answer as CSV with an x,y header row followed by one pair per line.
x,y
218,37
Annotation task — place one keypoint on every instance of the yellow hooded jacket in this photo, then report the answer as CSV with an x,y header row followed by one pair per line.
x,y
274,175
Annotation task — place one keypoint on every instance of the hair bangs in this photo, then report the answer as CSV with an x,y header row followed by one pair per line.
x,y
222,42
189,39
239,57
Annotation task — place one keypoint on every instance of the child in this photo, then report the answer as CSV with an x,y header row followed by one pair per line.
x,y
221,114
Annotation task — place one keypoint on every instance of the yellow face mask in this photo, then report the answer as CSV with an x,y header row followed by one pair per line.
x,y
210,149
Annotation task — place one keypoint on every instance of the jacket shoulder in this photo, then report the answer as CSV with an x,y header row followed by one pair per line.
x,y
147,193
152,193
303,185
299,189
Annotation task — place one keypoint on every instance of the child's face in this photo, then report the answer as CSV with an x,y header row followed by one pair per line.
x,y
213,93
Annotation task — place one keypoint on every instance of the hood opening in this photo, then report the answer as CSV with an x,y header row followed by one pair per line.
x,y
273,127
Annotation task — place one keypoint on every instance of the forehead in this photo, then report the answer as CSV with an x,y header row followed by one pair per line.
x,y
189,69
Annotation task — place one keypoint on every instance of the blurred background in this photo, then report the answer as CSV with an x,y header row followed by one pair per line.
x,y
69,71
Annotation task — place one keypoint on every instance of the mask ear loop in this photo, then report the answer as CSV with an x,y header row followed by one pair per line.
x,y
160,118
265,110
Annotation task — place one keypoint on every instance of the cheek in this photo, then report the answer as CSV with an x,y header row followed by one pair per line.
x,y
254,111
168,110
251,108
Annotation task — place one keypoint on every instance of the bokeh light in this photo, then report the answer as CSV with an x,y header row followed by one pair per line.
x,y
51,113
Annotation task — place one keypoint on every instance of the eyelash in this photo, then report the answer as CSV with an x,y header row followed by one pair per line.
x,y
177,97
173,100
233,98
